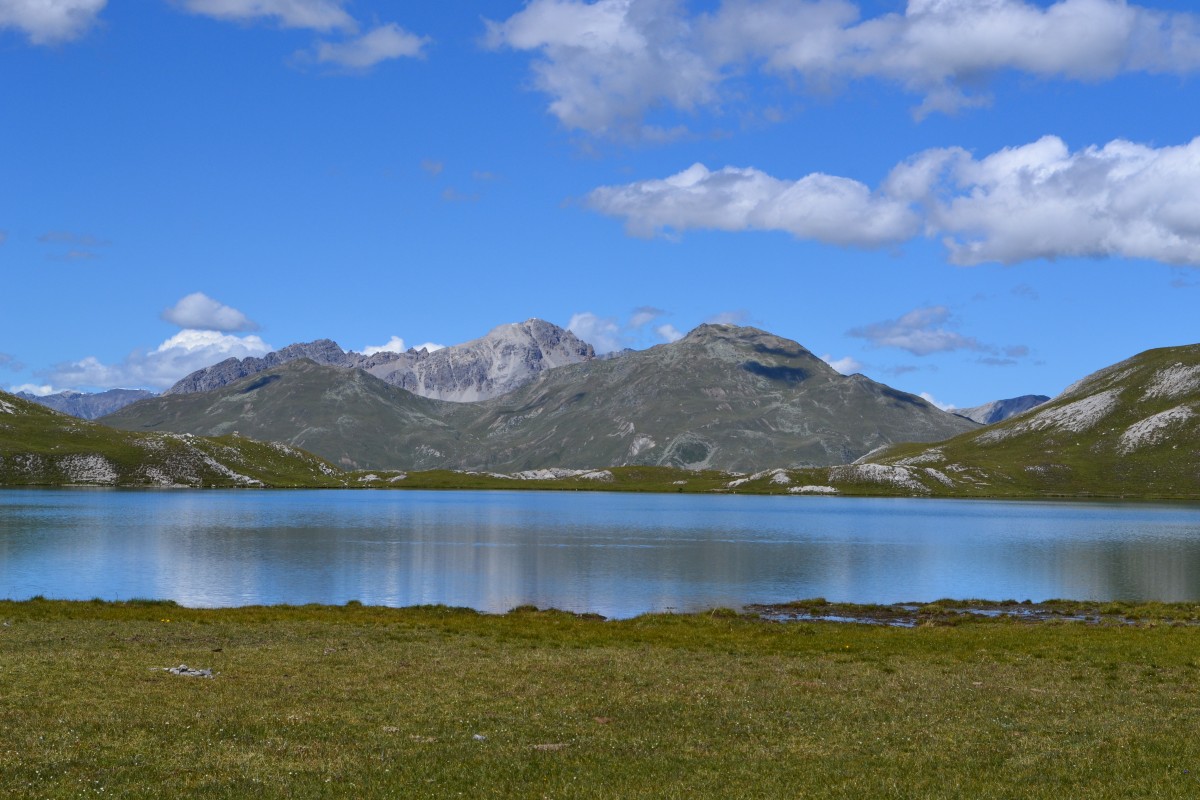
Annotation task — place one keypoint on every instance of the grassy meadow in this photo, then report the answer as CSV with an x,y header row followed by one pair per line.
x,y
436,702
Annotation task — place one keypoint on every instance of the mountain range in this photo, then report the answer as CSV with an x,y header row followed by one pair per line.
x,y
719,403
87,405
508,357
722,397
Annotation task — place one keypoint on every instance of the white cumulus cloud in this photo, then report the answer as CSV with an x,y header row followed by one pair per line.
x,y
821,207
605,64
381,44
397,345
1042,201
1038,200
643,316
182,354
669,332
602,333
50,21
318,15
847,365
201,312
38,389
933,401
392,345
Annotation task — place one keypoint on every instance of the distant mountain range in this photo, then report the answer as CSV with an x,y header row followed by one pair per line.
x,y
505,359
87,405
723,397
1000,410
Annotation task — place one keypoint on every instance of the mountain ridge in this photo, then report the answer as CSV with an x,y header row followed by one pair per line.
x,y
505,358
721,397
1000,410
88,405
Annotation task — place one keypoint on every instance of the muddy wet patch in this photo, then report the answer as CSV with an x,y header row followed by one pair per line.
x,y
957,612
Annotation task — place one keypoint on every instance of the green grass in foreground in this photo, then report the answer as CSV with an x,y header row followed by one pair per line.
x,y
372,702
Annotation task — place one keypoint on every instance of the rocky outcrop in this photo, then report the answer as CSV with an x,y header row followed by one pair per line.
x,y
509,357
322,351
505,359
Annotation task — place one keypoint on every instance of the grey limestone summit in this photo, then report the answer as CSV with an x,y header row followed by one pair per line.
x,y
1000,410
508,357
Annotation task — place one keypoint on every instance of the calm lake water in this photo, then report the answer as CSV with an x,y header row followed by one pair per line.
x,y
615,554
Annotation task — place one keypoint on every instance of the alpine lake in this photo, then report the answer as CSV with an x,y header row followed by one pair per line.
x,y
618,555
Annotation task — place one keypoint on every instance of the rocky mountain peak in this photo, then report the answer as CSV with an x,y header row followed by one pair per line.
x,y
508,357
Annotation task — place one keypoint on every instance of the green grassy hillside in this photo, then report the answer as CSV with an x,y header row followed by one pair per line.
x,y
1131,430
40,447
350,417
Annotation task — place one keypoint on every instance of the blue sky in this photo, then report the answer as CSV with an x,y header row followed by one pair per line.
x,y
972,199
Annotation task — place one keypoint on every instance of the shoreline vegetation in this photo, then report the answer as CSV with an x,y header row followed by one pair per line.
x,y
805,482
1065,698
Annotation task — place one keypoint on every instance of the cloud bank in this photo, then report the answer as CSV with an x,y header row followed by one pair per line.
x,y
1038,200
184,353
47,22
606,64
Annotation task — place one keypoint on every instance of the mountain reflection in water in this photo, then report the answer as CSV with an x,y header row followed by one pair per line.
x,y
615,554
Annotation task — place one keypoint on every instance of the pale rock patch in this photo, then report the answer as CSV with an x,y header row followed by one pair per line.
x,y
940,477
1076,417
236,477
1152,430
778,476
1173,381
640,443
557,473
88,469
885,474
928,457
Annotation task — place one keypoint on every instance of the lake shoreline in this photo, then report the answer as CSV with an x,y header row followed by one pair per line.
x,y
557,488
944,612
